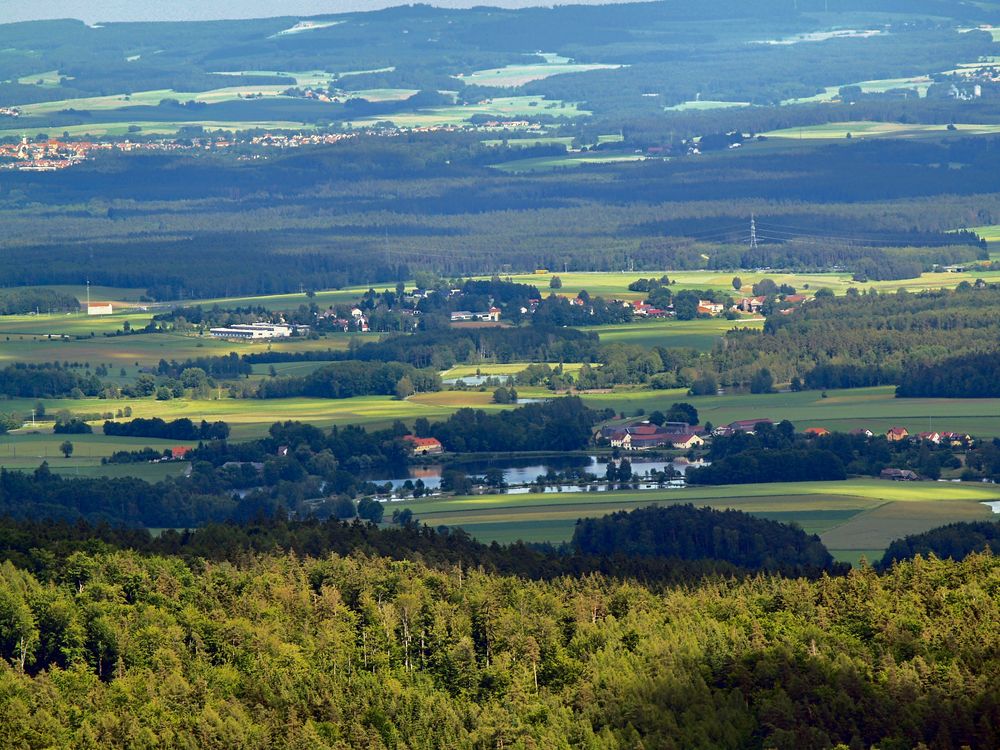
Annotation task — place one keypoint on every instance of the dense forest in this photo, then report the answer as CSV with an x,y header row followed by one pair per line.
x,y
684,532
178,429
118,650
956,541
868,338
374,210
968,376
352,378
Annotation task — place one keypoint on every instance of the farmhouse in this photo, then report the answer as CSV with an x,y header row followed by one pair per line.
x,y
645,436
957,439
100,308
897,434
687,441
930,437
707,307
864,431
817,431
424,446
899,475
743,425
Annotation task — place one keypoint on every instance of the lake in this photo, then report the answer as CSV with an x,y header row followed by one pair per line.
x,y
522,471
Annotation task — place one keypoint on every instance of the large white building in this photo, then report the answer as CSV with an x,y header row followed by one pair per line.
x,y
100,308
256,331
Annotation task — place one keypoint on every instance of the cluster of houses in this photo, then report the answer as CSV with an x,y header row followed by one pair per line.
x,y
753,305
899,434
643,436
756,304
357,322
643,309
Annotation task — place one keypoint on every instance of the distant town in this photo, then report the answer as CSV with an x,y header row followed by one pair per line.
x,y
44,154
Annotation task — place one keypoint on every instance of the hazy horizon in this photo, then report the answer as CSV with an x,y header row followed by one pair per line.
x,y
203,10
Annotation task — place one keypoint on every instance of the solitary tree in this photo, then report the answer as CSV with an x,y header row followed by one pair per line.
x,y
737,283
762,381
555,283
404,388
66,448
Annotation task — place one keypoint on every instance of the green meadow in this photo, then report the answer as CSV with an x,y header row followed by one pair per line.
x,y
149,99
859,516
251,418
918,84
838,130
507,107
148,349
569,160
615,284
696,334
510,368
150,127
704,104
513,76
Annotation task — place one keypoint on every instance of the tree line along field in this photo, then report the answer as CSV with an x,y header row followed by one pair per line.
x,y
859,516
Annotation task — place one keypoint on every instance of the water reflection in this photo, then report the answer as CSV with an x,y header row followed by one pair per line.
x,y
524,471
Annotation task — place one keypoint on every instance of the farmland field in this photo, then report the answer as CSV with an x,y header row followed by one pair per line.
x,y
837,130
705,104
512,76
860,516
302,78
149,349
918,84
157,127
149,99
615,284
510,368
697,334
500,107
546,163
251,418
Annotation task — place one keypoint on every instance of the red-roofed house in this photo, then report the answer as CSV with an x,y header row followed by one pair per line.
x,y
686,441
817,431
179,452
640,437
896,434
424,446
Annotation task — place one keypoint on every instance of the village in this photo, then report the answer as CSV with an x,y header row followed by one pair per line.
x,y
49,154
